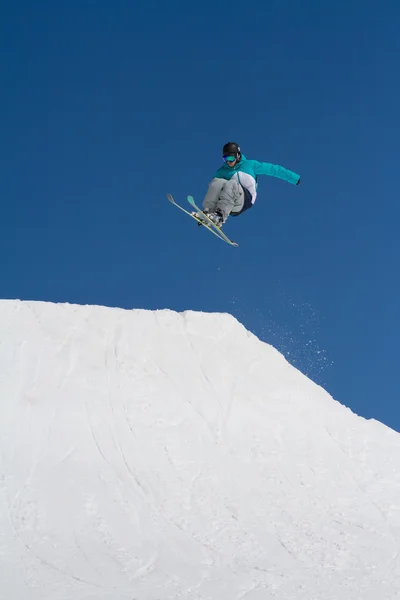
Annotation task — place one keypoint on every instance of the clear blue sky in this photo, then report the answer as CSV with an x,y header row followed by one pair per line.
x,y
107,106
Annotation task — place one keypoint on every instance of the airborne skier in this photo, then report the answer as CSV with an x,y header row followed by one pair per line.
x,y
233,188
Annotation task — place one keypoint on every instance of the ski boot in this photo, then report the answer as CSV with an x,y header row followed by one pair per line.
x,y
217,218
200,217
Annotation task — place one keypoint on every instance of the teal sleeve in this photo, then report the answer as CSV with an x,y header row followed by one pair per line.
x,y
220,173
262,168
224,173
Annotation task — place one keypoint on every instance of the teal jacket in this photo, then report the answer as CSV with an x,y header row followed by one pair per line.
x,y
247,172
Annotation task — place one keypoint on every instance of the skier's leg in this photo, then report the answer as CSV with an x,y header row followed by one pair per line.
x,y
231,198
213,194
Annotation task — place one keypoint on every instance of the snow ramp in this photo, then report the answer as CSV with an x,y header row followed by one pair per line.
x,y
151,455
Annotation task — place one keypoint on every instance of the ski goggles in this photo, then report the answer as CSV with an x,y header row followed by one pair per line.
x,y
229,158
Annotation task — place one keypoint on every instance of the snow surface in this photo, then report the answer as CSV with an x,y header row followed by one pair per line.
x,y
155,455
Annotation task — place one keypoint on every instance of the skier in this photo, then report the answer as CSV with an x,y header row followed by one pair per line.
x,y
234,186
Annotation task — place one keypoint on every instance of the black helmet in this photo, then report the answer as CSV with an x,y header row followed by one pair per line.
x,y
230,148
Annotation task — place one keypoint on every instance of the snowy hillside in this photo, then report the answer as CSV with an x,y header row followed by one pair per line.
x,y
155,455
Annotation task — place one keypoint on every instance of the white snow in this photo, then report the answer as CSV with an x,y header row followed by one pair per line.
x,y
155,455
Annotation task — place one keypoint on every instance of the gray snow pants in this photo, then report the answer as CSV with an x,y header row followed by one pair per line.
x,y
226,196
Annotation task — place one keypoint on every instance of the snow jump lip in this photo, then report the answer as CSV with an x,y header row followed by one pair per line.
x,y
151,454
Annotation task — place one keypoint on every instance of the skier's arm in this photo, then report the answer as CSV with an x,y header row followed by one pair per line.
x,y
262,168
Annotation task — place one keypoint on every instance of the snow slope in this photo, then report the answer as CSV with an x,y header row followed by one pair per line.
x,y
156,455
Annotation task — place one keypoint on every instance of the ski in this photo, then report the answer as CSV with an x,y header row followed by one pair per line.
x,y
210,224
207,223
